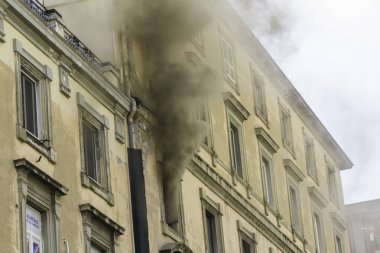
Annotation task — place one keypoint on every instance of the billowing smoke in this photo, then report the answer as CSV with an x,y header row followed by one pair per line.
x,y
175,88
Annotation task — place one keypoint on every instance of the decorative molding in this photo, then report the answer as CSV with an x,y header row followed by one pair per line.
x,y
101,118
233,104
317,197
28,168
293,170
175,248
265,139
338,221
95,213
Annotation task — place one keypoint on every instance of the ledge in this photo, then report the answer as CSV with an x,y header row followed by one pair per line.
x,y
338,221
317,197
90,209
237,107
293,170
265,138
28,167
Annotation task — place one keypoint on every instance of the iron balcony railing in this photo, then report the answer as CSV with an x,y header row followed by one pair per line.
x,y
46,16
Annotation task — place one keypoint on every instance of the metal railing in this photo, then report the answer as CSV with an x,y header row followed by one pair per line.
x,y
45,15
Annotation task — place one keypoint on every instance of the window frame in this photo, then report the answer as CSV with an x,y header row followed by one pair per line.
x,y
268,157
286,129
227,45
41,75
2,31
87,114
208,205
310,158
331,183
258,87
297,231
246,236
340,236
203,106
97,226
42,193
318,231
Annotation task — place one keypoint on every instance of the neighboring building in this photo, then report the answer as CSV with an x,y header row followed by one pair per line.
x,y
75,178
364,226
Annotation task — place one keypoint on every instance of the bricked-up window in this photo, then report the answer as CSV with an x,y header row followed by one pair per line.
x,y
318,234
228,60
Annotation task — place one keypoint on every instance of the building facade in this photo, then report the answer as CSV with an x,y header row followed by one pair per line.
x,y
83,169
364,226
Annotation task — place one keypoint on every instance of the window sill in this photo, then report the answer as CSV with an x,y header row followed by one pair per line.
x,y
48,152
170,232
97,188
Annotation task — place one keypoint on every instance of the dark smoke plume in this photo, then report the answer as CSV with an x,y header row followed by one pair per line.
x,y
175,87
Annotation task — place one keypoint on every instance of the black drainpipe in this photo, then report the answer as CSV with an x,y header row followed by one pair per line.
x,y
137,184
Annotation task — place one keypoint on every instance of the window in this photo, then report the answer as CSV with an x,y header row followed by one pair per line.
x,y
202,114
294,210
310,158
259,98
229,61
236,115
39,208
100,232
318,237
212,224
33,102
212,243
2,33
294,177
338,244
235,150
94,150
247,239
331,181
286,129
268,184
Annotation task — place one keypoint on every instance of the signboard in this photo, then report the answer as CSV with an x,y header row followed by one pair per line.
x,y
33,230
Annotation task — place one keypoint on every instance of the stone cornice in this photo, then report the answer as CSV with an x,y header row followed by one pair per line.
x,y
91,210
293,170
241,205
233,104
338,221
29,168
266,140
317,197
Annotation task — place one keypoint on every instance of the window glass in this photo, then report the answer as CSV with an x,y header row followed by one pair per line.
x,y
90,136
94,249
236,152
318,234
211,233
294,209
268,182
31,104
33,230
246,247
338,244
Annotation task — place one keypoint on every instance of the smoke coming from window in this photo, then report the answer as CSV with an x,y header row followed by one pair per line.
x,y
175,87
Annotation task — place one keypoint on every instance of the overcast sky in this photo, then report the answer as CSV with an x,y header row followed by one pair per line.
x,y
330,50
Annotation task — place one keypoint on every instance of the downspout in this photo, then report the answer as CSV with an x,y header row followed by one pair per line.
x,y
135,162
131,124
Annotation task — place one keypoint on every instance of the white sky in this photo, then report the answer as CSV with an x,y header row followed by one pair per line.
x,y
331,53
